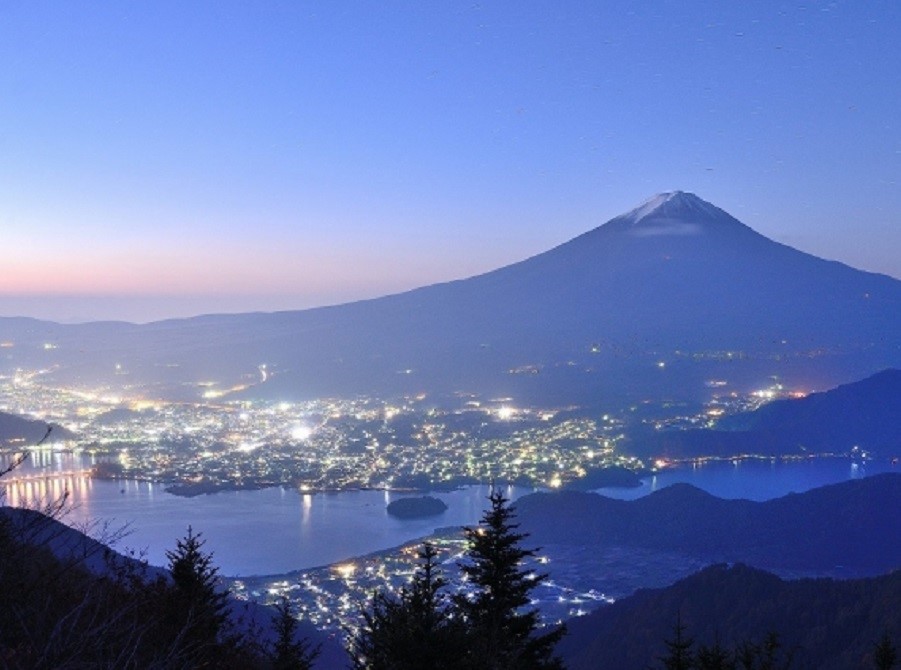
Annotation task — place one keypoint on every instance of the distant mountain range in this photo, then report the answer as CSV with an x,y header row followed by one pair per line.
x,y
861,416
676,281
823,624
849,528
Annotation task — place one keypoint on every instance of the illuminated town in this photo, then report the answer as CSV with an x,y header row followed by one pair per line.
x,y
320,445
340,444
344,444
332,597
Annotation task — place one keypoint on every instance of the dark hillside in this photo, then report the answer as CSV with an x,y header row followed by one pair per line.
x,y
829,625
67,600
861,416
853,525
16,430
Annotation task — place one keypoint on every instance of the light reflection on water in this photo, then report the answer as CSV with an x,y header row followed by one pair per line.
x,y
278,530
250,532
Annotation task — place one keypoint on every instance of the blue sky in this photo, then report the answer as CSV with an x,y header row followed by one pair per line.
x,y
170,158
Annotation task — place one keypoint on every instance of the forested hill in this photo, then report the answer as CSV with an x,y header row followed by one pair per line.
x,y
827,624
863,415
19,430
853,525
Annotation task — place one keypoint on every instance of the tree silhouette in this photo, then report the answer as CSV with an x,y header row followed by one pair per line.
x,y
746,655
714,657
503,632
416,629
289,653
198,604
679,654
884,654
769,654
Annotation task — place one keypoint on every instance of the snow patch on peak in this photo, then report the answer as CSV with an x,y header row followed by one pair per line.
x,y
672,209
650,206
676,213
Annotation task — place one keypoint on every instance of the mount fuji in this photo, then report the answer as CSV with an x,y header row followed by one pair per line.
x,y
651,303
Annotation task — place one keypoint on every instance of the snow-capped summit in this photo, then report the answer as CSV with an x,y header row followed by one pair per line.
x,y
675,205
672,213
589,319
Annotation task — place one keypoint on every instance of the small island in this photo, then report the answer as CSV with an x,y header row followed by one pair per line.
x,y
415,508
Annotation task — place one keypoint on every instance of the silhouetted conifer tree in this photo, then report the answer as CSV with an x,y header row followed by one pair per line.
x,y
289,653
414,630
885,656
199,605
679,654
714,657
746,655
769,654
503,632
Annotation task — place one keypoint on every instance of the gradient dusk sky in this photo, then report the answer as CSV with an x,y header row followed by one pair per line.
x,y
174,158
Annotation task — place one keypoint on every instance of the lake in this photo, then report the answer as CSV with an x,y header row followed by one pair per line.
x,y
755,479
276,530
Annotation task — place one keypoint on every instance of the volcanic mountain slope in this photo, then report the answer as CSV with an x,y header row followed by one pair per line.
x,y
677,278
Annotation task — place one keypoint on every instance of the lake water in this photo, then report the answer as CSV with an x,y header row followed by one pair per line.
x,y
277,530
757,479
268,531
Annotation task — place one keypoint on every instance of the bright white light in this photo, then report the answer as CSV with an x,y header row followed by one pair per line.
x,y
301,432
505,413
346,570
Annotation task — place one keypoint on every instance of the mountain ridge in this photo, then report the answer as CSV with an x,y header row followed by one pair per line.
x,y
846,524
591,315
826,624
857,417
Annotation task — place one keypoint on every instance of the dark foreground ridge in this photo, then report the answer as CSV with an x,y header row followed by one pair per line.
x,y
826,624
67,600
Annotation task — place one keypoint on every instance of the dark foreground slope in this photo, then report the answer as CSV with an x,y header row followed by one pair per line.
x,y
862,415
67,600
676,278
851,528
827,624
